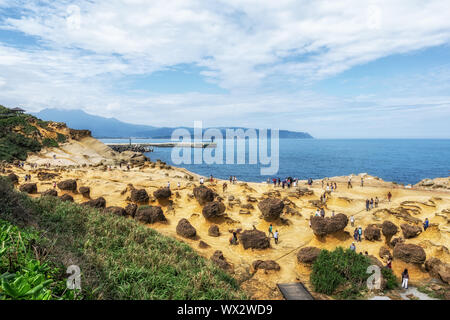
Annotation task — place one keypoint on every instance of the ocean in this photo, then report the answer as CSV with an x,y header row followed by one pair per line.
x,y
405,161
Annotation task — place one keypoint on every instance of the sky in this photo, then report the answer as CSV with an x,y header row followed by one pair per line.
x,y
334,69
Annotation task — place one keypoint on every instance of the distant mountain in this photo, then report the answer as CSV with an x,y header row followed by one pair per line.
x,y
113,128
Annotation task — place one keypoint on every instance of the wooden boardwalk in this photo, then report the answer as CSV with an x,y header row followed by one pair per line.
x,y
294,291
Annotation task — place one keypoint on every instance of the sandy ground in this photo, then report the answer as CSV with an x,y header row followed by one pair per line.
x,y
110,184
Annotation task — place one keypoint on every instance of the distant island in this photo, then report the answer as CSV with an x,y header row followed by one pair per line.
x,y
112,128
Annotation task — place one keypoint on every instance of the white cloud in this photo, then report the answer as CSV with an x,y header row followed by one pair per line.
x,y
248,47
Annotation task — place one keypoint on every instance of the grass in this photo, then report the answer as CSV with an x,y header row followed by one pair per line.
x,y
118,257
343,273
431,293
22,274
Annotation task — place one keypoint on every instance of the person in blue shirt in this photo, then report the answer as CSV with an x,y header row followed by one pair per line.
x,y
353,247
426,224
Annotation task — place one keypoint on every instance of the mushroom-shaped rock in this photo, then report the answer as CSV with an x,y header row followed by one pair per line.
x,y
13,178
139,196
185,229
162,193
29,188
271,208
213,231
384,253
323,226
265,265
85,192
220,260
337,223
394,241
410,231
44,176
130,209
372,233
150,214
66,197
410,253
389,229
204,194
308,254
254,239
68,185
438,269
50,192
203,245
99,203
213,209
118,211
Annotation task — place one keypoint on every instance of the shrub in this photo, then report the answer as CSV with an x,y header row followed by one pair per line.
x,y
340,269
61,138
48,142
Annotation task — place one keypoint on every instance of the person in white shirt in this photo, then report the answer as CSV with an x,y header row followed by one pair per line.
x,y
201,180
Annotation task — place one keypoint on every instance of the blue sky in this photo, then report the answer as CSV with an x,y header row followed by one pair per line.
x,y
347,69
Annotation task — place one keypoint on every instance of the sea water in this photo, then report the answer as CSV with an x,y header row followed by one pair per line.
x,y
405,161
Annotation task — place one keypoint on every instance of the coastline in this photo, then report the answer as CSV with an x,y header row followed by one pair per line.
x,y
90,168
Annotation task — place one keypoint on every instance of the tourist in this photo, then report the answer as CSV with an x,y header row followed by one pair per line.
x,y
275,236
376,202
335,186
362,182
317,212
178,185
367,204
359,234
366,253
224,187
54,185
332,213
349,183
389,196
211,179
322,212
270,230
310,221
295,183
168,184
426,224
322,183
353,247
371,203
328,187
352,221
231,179
389,263
279,181
201,180
234,180
274,180
355,234
405,278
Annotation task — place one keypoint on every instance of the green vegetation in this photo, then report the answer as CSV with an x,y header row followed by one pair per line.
x,y
432,293
47,142
61,138
343,273
118,257
19,135
22,276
